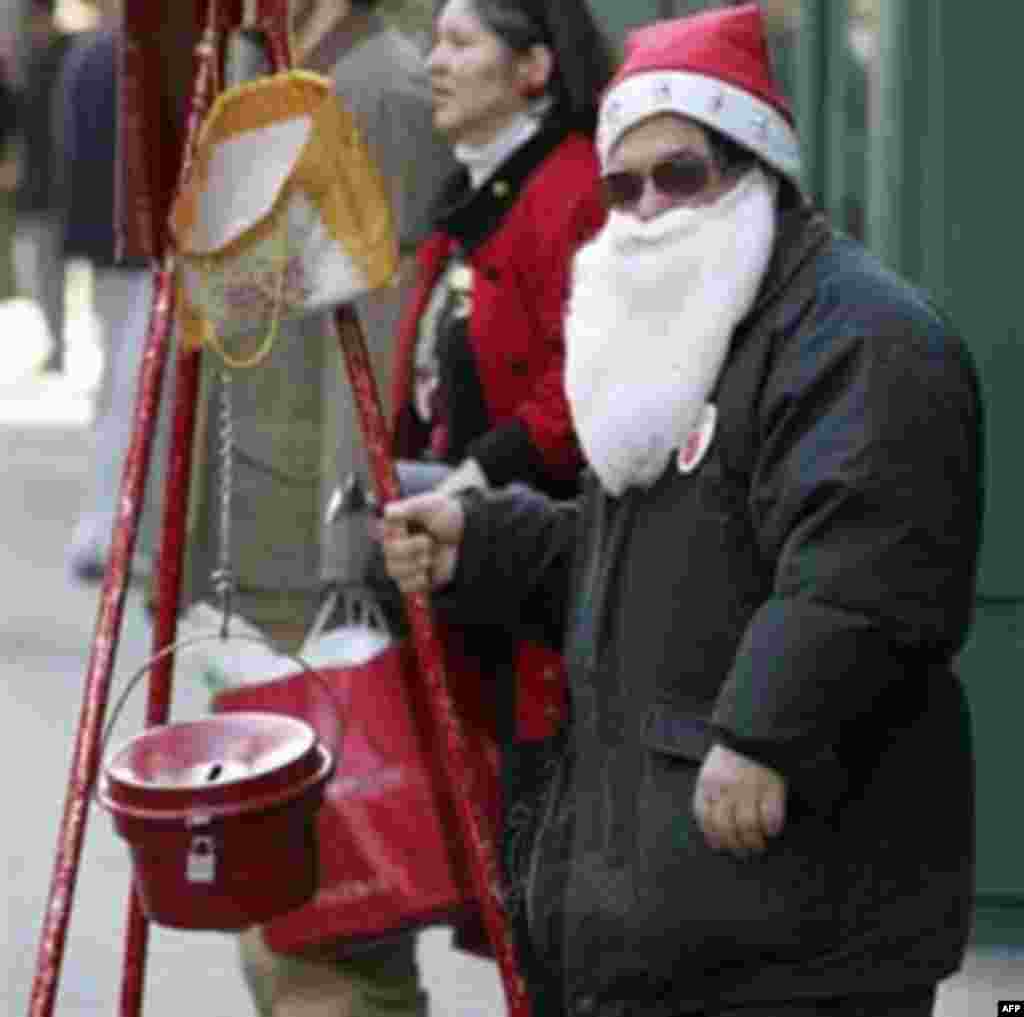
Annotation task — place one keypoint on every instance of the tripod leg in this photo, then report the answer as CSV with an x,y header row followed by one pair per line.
x,y
170,562
448,726
85,759
172,537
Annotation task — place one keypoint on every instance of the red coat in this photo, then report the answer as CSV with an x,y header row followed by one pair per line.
x,y
519,234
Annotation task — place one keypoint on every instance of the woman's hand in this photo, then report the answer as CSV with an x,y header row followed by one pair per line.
x,y
739,804
420,538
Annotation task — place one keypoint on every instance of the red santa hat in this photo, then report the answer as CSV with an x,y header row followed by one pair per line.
x,y
712,67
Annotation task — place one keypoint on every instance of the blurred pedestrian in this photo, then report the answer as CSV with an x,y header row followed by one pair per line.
x,y
36,203
765,802
295,434
88,150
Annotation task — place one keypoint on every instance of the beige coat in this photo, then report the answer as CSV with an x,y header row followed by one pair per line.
x,y
295,426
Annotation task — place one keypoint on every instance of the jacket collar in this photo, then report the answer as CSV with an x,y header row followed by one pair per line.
x,y
801,234
471,216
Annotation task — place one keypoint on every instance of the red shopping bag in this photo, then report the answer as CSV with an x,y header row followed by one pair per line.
x,y
390,853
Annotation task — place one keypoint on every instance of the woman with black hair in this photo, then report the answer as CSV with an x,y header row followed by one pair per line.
x,y
478,378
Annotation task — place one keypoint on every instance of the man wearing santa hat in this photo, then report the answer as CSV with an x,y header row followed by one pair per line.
x,y
763,800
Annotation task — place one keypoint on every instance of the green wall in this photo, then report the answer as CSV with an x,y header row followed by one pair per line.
x,y
616,16
944,209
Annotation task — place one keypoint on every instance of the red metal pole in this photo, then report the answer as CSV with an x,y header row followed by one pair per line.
x,y
85,760
482,853
169,573
273,18
171,555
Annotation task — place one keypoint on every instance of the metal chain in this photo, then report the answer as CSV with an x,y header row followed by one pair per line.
x,y
223,578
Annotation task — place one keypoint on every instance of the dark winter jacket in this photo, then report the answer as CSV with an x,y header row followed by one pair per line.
x,y
518,234
88,107
799,597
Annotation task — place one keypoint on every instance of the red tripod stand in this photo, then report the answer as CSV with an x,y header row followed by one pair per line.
x,y
153,99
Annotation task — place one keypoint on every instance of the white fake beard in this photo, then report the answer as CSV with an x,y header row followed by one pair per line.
x,y
650,318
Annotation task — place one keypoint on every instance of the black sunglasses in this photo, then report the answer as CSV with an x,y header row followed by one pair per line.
x,y
680,176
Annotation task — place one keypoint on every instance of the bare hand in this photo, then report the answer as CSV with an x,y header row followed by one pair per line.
x,y
420,538
739,804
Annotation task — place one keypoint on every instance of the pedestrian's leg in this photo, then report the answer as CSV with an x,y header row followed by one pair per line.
x,y
377,981
282,985
120,305
39,275
259,971
52,282
385,980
